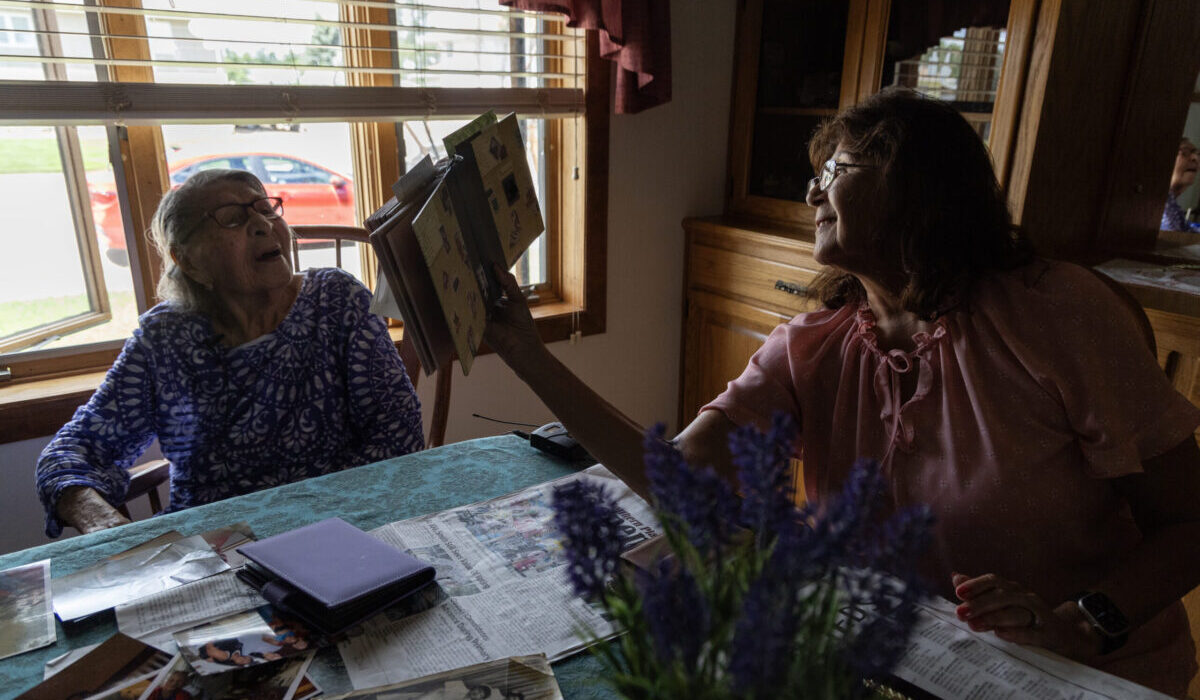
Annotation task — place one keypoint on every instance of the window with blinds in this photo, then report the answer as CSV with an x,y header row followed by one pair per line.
x,y
522,61
109,103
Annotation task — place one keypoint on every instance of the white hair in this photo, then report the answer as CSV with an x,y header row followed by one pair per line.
x,y
179,215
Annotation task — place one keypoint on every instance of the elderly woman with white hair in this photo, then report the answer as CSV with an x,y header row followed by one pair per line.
x,y
248,374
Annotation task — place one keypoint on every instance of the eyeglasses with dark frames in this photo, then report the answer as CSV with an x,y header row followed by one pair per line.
x,y
237,213
829,172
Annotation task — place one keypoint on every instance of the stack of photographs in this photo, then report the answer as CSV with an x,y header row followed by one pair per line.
x,y
246,639
26,620
285,680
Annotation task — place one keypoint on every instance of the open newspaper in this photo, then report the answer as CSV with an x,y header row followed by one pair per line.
x,y
502,564
946,659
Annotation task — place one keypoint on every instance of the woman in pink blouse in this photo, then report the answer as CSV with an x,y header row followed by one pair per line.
x,y
1014,395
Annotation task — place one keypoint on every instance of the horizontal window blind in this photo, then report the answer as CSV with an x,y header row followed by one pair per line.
x,y
69,61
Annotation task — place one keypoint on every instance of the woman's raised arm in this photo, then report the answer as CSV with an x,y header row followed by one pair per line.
x,y
610,436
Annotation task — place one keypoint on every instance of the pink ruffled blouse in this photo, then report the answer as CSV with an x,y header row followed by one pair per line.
x,y
1026,403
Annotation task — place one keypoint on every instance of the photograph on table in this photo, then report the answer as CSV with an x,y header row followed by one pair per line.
x,y
114,668
306,689
520,531
26,620
226,540
143,661
131,689
246,639
278,681
513,678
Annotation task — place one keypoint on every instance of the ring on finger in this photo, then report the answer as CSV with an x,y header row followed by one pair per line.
x,y
1035,620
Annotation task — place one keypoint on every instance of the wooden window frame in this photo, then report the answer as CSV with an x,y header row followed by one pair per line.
x,y
42,393
67,137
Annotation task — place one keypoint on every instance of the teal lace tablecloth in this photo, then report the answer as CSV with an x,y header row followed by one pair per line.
x,y
368,496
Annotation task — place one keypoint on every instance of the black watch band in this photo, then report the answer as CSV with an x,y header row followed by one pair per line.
x,y
1105,617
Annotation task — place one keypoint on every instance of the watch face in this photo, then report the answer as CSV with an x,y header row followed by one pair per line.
x,y
1103,614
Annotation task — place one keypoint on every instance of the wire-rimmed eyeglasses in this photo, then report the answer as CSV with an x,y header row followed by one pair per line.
x,y
829,172
237,213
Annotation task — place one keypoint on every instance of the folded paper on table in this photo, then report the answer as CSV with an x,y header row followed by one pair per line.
x,y
331,575
155,618
166,562
449,224
946,659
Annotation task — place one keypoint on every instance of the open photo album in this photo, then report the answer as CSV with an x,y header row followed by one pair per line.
x,y
446,227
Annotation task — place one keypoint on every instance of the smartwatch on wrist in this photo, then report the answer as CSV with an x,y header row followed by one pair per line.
x,y
1105,617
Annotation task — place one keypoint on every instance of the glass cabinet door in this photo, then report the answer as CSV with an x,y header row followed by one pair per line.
x,y
952,51
799,83
792,73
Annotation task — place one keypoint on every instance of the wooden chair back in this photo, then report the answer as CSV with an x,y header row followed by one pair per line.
x,y
144,480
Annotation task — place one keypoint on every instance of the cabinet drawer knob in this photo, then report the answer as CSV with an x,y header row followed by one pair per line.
x,y
791,288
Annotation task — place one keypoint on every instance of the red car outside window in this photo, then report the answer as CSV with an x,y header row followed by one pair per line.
x,y
311,194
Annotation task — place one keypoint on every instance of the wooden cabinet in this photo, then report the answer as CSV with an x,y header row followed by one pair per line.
x,y
741,280
1178,340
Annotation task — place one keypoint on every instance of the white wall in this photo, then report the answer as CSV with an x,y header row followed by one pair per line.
x,y
665,164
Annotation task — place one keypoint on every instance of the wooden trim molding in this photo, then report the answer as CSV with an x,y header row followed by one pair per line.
x,y
40,408
1021,17
74,103
378,151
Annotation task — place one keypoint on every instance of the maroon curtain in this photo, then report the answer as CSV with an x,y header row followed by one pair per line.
x,y
634,34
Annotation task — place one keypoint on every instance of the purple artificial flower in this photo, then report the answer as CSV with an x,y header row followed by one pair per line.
x,y
764,473
890,611
821,538
586,517
764,637
675,611
699,500
905,536
848,521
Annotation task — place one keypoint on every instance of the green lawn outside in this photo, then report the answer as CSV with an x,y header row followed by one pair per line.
x,y
16,316
41,155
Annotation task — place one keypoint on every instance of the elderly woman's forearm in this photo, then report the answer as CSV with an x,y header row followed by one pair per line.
x,y
86,510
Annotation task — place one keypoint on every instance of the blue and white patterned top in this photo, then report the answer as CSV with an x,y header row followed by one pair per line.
x,y
324,391
1173,218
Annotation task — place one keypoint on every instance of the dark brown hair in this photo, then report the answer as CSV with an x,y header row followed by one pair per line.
x,y
946,216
